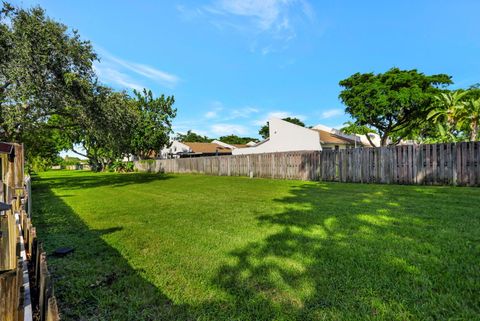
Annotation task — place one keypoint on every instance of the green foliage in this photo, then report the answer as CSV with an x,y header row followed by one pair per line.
x,y
154,247
38,164
42,68
113,125
192,137
393,103
50,99
264,131
69,160
121,167
457,115
353,128
234,139
153,123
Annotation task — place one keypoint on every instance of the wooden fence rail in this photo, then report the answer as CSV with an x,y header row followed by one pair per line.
x,y
25,285
430,164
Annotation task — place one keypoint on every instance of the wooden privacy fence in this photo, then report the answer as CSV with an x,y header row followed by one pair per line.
x,y
25,285
432,164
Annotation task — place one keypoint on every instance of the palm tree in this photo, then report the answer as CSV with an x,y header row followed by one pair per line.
x,y
470,116
446,112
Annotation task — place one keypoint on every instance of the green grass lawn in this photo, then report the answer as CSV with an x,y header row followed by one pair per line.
x,y
191,247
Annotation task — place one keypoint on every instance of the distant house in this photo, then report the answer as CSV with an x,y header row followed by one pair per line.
x,y
284,137
192,149
288,137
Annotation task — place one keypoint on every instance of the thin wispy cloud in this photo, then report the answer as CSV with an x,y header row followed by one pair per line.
x,y
113,76
268,23
124,73
211,114
335,112
220,112
220,120
227,129
278,114
244,112
215,109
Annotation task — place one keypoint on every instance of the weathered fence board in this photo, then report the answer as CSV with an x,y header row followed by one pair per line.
x,y
18,247
432,164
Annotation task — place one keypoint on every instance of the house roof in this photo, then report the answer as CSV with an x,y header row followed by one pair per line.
x,y
207,148
329,138
240,145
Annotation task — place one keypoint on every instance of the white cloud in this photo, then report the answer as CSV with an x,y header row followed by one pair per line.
x,y
122,72
244,112
276,19
332,113
265,13
110,75
211,114
227,129
216,108
278,114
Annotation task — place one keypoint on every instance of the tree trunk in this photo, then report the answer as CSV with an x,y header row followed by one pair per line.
x,y
474,133
370,140
384,140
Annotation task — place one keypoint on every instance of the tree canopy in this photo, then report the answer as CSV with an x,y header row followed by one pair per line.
x,y
234,139
192,137
50,98
43,69
392,103
153,123
264,131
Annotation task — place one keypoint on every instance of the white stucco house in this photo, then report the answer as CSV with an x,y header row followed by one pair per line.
x,y
288,137
284,137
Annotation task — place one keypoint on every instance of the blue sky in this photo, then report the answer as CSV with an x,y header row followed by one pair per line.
x,y
231,64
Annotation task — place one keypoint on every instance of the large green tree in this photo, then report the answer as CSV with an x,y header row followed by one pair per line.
x,y
192,137
153,124
393,103
264,131
104,127
234,139
43,67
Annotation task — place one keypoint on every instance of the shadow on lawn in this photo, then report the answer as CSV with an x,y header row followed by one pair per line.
x,y
85,288
346,251
92,179
338,251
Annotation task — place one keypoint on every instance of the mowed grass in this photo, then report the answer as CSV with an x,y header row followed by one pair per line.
x,y
192,247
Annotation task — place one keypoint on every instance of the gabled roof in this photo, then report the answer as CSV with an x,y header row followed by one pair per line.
x,y
240,145
330,138
207,148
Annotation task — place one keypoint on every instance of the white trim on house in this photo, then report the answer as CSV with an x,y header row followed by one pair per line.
x,y
215,141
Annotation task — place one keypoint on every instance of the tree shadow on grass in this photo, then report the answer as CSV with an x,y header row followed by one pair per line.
x,y
346,251
84,180
336,252
95,282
